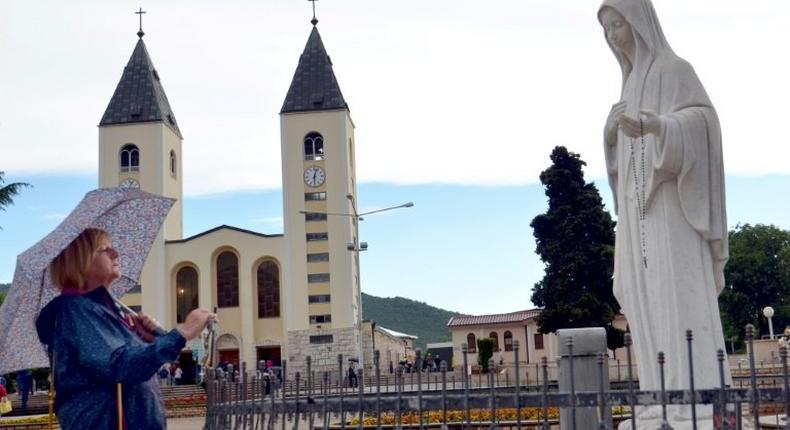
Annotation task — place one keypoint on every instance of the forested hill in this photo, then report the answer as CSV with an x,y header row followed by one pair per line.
x,y
4,288
409,316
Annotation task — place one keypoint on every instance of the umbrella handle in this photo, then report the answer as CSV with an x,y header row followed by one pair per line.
x,y
159,331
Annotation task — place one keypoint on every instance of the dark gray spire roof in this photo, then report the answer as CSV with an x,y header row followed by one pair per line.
x,y
314,86
139,96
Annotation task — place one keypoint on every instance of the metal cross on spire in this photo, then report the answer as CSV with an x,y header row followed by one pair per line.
x,y
313,21
140,32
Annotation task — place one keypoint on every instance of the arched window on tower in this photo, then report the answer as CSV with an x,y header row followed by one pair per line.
x,y
314,146
268,290
130,158
227,280
186,292
173,164
471,345
495,338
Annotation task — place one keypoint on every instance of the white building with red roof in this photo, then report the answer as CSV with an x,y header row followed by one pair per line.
x,y
505,329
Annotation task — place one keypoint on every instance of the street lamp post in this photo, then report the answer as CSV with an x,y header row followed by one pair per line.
x,y
768,312
356,247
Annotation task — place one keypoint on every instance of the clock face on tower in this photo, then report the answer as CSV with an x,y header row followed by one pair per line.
x,y
129,183
314,176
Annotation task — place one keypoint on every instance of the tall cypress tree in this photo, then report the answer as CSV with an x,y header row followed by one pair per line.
x,y
575,240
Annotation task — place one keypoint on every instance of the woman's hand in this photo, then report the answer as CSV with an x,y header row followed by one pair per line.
x,y
146,326
650,124
195,323
612,122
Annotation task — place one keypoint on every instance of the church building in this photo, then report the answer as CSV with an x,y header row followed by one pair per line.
x,y
278,296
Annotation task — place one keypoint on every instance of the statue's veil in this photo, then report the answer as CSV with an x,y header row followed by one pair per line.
x,y
648,35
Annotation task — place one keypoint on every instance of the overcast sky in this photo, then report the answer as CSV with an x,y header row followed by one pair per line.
x,y
459,91
443,93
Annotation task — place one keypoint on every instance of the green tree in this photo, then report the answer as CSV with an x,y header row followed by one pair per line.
x,y
757,275
2,298
7,192
575,240
485,350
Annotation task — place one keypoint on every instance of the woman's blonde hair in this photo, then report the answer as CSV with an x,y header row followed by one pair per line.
x,y
70,268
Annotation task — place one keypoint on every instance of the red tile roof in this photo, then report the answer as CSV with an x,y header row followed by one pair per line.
x,y
513,317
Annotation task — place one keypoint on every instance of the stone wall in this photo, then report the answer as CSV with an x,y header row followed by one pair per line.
x,y
344,341
391,349
324,355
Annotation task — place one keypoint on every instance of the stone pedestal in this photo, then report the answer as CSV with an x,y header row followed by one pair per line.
x,y
588,343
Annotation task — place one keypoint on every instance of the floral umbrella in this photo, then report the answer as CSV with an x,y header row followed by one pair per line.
x,y
132,217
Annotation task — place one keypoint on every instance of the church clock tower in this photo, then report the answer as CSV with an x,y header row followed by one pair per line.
x,y
317,143
140,146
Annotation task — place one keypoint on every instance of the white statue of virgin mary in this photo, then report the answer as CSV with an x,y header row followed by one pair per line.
x,y
662,143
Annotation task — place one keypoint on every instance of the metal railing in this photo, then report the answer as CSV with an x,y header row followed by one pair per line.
x,y
261,400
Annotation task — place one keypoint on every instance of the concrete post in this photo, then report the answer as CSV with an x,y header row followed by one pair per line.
x,y
587,343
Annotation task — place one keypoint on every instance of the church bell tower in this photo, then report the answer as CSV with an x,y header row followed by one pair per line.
x,y
319,186
140,146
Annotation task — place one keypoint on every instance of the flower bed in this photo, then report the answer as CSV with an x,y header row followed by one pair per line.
x,y
186,402
27,423
455,416
184,407
534,415
186,412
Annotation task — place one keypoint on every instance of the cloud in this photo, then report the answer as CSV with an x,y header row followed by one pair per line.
x,y
468,96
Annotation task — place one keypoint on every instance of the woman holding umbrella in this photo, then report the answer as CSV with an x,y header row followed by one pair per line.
x,y
104,362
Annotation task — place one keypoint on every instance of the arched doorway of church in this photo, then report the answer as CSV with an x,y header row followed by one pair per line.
x,y
228,349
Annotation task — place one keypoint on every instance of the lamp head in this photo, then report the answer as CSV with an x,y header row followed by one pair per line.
x,y
768,312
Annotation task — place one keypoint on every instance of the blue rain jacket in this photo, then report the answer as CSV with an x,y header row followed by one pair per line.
x,y
95,349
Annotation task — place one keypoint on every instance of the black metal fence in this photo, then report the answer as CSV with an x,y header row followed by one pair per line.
x,y
264,401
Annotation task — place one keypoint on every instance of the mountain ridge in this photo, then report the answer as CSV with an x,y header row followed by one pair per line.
x,y
428,323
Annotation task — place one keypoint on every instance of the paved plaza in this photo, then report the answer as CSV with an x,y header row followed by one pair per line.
x,y
185,423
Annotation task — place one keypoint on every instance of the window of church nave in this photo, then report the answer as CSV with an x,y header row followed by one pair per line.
x,y
318,256
227,280
470,343
318,319
314,146
130,158
186,292
508,338
309,197
173,164
268,290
